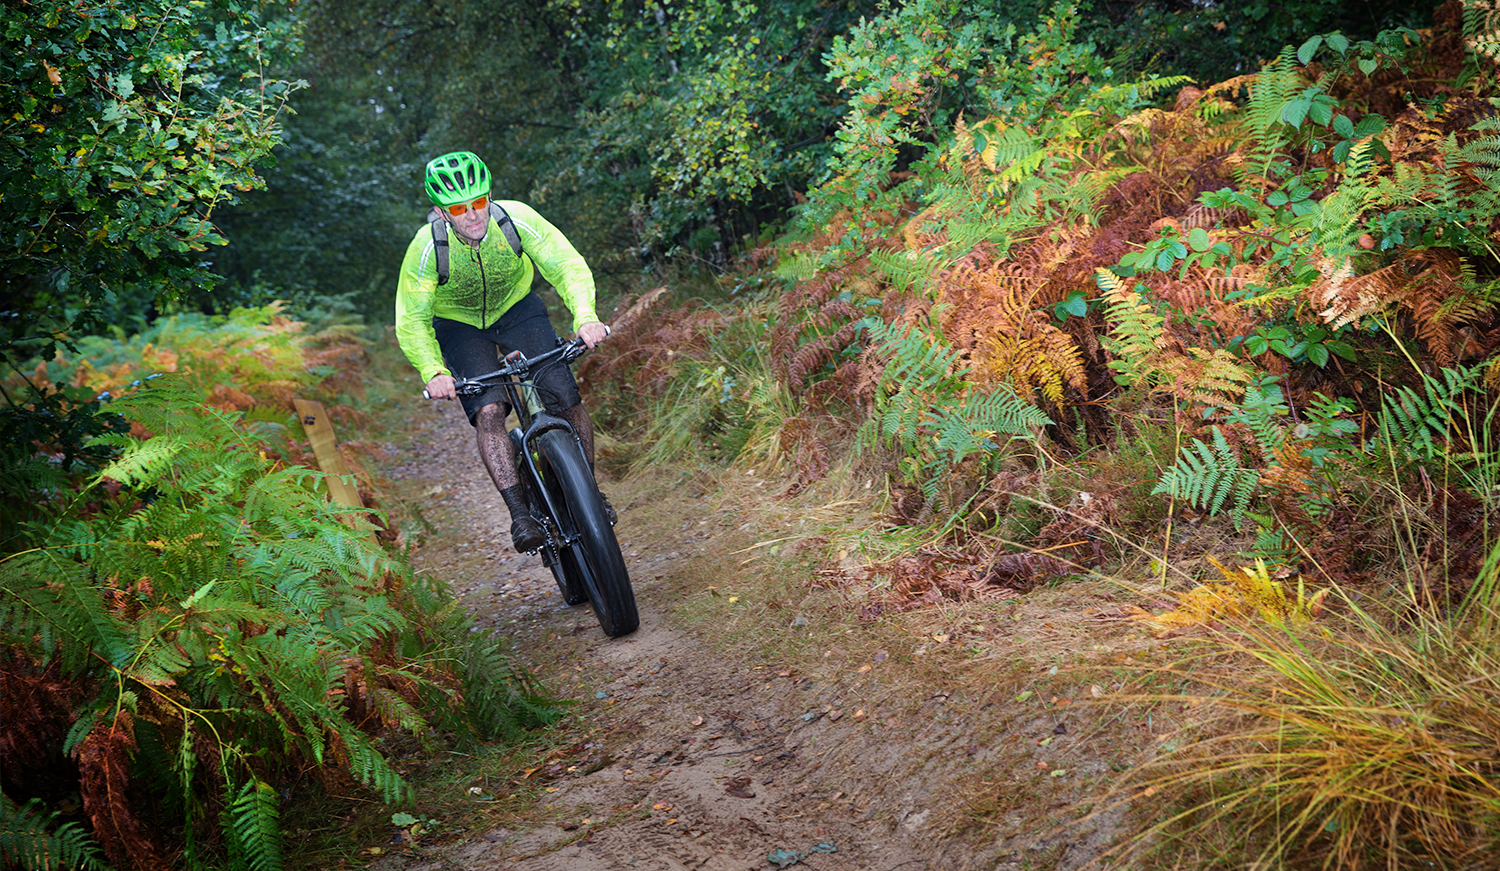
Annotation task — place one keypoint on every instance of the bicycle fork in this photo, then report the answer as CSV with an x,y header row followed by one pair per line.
x,y
525,444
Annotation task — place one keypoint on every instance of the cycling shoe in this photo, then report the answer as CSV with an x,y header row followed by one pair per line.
x,y
525,534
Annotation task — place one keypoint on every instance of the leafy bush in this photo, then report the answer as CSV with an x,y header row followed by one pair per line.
x,y
127,123
196,619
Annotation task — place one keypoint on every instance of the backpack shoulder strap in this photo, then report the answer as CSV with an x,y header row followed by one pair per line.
x,y
439,243
507,226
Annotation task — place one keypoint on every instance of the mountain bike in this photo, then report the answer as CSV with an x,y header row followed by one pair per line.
x,y
581,548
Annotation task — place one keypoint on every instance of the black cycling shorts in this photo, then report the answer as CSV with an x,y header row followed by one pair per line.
x,y
470,352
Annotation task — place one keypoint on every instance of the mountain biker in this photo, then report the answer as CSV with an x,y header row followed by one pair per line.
x,y
487,306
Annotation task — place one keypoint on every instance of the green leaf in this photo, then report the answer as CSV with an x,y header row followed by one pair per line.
x,y
1338,42
1343,126
1317,355
1295,111
1367,65
1343,349
1199,240
1075,305
1308,50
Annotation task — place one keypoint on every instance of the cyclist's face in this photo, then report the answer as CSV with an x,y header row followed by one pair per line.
x,y
471,224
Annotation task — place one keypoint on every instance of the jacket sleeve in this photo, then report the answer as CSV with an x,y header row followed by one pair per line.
x,y
557,260
416,291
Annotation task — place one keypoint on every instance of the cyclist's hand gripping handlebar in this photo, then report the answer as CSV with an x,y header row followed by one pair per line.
x,y
515,364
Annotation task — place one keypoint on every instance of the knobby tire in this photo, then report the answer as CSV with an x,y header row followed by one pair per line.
x,y
559,560
596,555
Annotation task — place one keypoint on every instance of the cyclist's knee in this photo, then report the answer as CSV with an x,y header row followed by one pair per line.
x,y
492,414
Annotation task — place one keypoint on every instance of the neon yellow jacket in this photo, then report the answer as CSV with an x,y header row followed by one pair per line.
x,y
484,282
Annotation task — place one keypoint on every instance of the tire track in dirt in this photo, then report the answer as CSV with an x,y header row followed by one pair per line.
x,y
700,762
706,769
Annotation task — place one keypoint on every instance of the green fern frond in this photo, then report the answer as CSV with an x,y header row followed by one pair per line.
x,y
909,271
1274,88
799,266
29,842
1421,423
1209,477
1135,329
977,426
1016,145
256,826
48,606
370,768
145,461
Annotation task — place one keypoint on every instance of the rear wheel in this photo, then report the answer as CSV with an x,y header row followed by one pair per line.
x,y
594,559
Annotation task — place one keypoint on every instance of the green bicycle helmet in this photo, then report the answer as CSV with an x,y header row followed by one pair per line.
x,y
456,177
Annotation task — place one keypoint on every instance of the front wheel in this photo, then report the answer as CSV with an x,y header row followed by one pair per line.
x,y
559,560
595,555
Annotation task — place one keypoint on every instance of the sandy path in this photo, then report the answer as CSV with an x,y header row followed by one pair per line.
x,y
699,762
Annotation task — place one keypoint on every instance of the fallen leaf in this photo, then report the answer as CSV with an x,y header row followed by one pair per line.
x,y
739,788
1096,691
697,721
865,668
940,638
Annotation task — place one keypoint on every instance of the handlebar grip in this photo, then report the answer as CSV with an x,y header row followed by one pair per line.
x,y
425,394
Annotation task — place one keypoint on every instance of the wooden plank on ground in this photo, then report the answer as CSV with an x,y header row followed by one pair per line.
x,y
325,447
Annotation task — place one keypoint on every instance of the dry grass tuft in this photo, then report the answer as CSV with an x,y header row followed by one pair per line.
x,y
1373,743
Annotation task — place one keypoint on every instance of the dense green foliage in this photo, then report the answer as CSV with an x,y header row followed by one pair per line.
x,y
194,621
125,125
1088,331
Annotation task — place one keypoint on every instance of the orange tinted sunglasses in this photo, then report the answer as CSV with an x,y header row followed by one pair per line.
x,y
478,205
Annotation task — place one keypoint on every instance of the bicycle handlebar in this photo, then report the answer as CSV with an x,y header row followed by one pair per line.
x,y
567,351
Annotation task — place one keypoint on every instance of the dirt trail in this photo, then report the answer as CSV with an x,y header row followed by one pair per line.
x,y
696,760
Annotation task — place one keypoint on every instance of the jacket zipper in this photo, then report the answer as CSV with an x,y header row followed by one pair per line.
x,y
484,292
